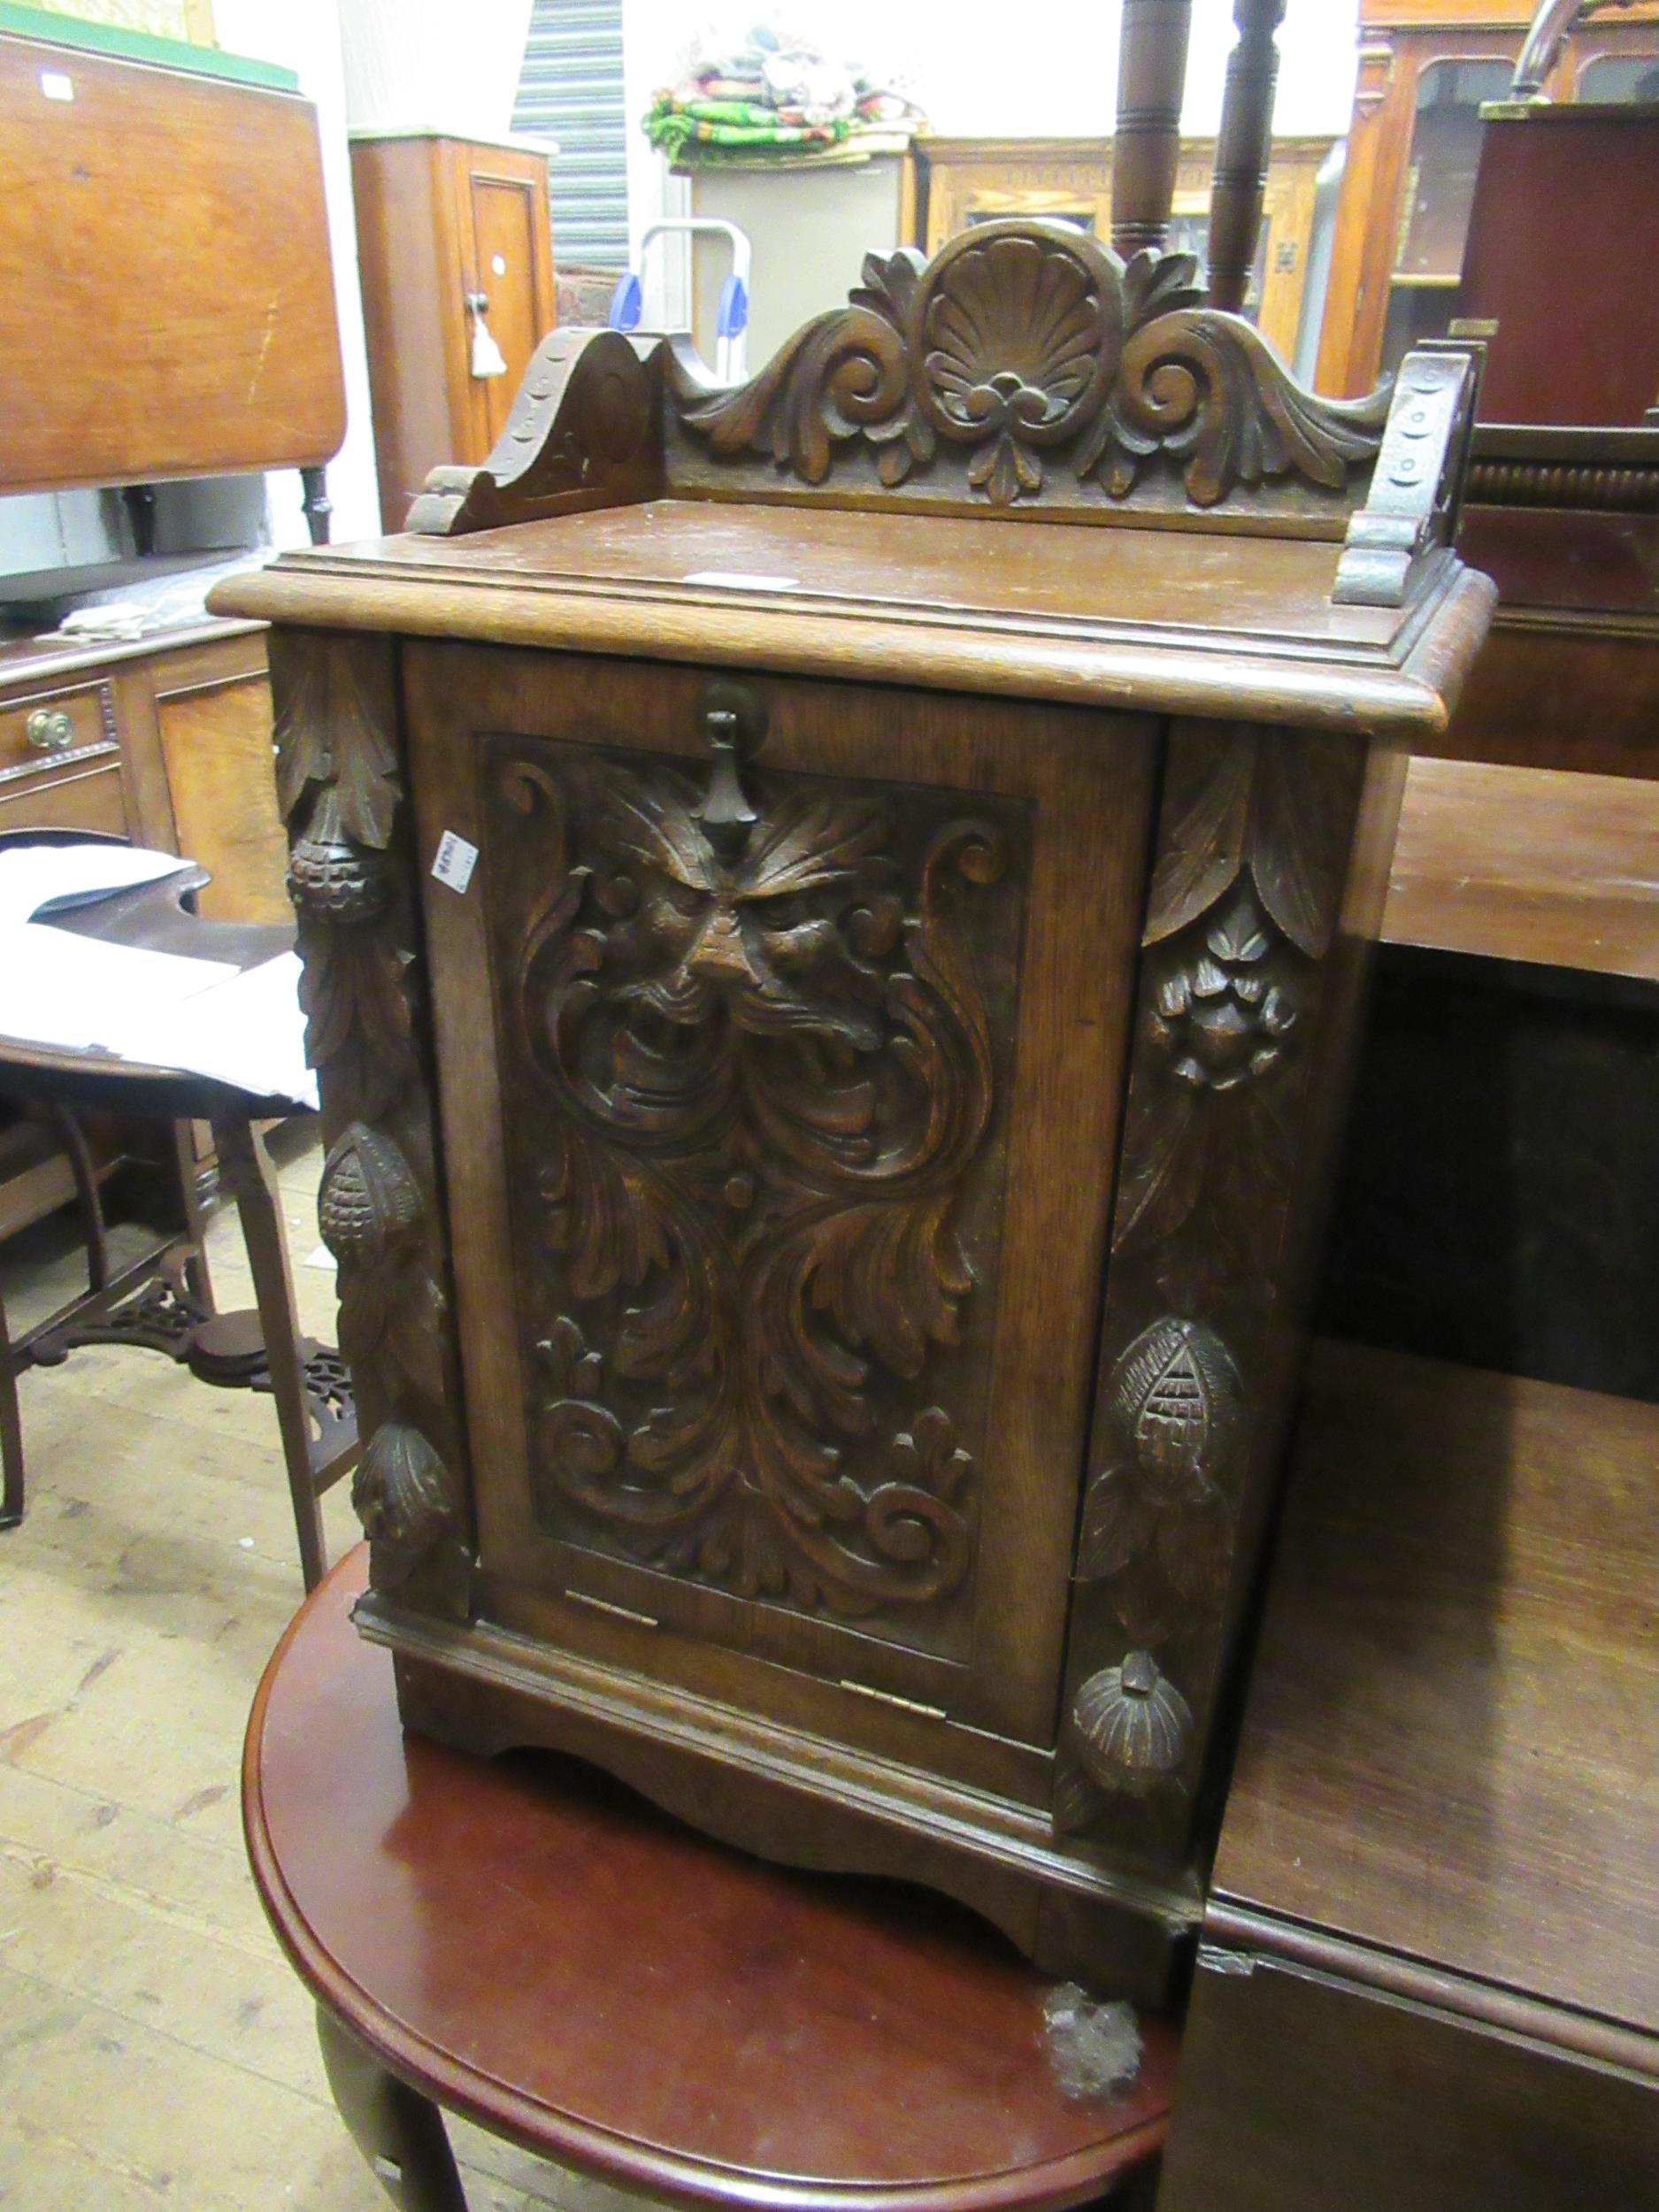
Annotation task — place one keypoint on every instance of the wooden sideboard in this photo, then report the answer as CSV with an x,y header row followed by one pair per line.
x,y
449,231
1430,1970
166,741
961,181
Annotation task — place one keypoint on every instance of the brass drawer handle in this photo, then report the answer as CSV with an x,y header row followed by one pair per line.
x,y
49,729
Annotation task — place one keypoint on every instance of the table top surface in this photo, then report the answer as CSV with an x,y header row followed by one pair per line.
x,y
1205,621
1547,865
1449,1753
528,1942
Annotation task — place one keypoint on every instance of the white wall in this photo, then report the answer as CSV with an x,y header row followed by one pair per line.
x,y
304,35
428,64
983,70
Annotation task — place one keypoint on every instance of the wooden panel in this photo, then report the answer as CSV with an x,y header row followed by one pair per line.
x,y
1437,15
1084,781
1519,863
187,327
216,738
1300,2094
510,226
1457,1671
82,798
1566,204
406,263
971,181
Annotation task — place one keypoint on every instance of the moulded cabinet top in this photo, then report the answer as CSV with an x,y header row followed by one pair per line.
x,y
1174,621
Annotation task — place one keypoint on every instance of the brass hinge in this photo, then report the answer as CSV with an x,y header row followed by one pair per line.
x,y
887,1697
622,1612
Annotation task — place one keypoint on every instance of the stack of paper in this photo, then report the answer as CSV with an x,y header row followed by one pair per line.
x,y
50,878
72,994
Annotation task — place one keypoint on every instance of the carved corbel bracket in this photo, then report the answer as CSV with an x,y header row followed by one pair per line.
x,y
585,431
1416,487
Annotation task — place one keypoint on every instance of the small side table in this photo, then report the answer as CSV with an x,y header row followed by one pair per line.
x,y
524,1941
164,1300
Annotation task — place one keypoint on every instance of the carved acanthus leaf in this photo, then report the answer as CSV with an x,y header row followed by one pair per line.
x,y
339,785
335,726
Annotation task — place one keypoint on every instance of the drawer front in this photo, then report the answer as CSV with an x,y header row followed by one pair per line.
x,y
87,797
780,1099
55,730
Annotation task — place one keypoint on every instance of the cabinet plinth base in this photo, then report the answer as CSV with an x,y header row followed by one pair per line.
x,y
804,1801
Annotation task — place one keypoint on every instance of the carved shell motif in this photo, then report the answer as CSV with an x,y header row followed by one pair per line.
x,y
1178,1398
402,1490
331,877
1018,345
368,1198
1131,1726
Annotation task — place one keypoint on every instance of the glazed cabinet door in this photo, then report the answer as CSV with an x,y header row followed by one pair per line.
x,y
780,1029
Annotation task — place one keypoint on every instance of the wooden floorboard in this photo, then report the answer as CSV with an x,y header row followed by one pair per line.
x,y
155,2049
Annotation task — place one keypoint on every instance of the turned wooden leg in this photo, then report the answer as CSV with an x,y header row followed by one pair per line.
x,y
10,1434
193,1211
246,1172
399,2132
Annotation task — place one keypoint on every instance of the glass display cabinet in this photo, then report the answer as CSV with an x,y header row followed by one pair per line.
x,y
1426,67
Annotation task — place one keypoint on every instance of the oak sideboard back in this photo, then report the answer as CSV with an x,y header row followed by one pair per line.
x,y
832,913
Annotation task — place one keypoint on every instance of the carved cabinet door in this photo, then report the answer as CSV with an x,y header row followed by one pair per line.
x,y
780,1029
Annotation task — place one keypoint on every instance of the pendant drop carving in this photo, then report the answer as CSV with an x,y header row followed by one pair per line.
x,y
1246,893
760,1118
340,780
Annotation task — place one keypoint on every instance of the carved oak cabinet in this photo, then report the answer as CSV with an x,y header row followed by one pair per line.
x,y
819,1205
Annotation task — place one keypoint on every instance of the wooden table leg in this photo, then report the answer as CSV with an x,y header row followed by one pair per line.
x,y
10,1434
246,1172
399,2132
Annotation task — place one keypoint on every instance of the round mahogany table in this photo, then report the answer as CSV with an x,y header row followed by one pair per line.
x,y
527,1943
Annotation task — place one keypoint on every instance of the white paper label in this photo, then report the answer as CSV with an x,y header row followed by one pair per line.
x,y
55,85
739,579
456,861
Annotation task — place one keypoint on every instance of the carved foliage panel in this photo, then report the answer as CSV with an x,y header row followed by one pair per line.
x,y
756,1029
1254,841
340,787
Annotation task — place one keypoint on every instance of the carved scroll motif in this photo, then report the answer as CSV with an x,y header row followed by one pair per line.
x,y
763,1079
585,430
1024,345
1247,886
339,789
